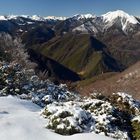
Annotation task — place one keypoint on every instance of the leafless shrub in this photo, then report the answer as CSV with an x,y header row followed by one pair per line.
x,y
43,75
14,51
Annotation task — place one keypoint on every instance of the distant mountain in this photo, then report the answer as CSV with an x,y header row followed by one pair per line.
x,y
70,23
117,20
120,18
55,18
33,17
37,35
80,23
83,16
16,25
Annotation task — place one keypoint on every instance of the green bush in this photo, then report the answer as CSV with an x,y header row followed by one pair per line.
x,y
136,129
46,113
65,114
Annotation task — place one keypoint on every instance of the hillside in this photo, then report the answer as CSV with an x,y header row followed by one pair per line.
x,y
52,68
82,53
127,81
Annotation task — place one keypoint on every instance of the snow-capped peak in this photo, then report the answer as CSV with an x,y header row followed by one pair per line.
x,y
37,18
55,18
12,17
120,18
125,17
83,16
33,17
3,18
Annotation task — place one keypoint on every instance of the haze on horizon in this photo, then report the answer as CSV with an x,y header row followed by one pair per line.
x,y
67,8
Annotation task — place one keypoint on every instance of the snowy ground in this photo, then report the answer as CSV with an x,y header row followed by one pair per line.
x,y
20,120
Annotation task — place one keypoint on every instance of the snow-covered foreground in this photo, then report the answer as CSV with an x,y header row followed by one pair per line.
x,y
20,120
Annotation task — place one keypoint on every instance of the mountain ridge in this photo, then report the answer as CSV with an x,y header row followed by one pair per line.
x,y
81,23
76,16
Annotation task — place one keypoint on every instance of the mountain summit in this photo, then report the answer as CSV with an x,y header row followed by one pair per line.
x,y
119,17
83,16
125,17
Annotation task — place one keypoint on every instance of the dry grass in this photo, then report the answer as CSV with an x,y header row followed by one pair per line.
x,y
126,81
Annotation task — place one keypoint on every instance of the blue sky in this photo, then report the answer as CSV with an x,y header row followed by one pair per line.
x,y
67,7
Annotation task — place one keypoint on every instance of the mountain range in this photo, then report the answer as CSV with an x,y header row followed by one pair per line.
x,y
87,47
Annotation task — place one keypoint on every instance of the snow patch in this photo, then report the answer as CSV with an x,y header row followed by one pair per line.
x,y
83,16
19,119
